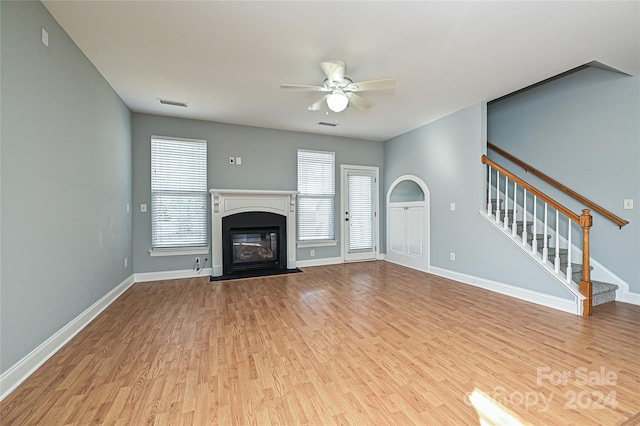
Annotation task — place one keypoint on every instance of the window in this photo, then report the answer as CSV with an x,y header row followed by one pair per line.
x,y
316,188
178,193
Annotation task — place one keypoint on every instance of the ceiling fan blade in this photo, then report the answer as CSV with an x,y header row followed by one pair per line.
x,y
359,101
334,70
388,83
317,105
304,87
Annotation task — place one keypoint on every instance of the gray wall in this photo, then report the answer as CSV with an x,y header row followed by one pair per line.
x,y
269,162
445,154
66,180
584,131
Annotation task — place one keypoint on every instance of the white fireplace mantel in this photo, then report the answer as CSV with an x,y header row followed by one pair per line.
x,y
225,202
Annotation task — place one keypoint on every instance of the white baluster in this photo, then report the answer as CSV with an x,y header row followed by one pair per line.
x,y
556,260
505,222
534,241
545,248
569,269
515,204
497,195
524,215
489,194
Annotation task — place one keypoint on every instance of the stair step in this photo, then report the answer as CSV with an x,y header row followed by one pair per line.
x,y
563,254
520,226
539,241
599,287
576,270
508,213
602,292
539,237
495,204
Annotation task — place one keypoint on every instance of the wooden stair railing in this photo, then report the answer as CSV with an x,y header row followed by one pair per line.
x,y
585,221
595,207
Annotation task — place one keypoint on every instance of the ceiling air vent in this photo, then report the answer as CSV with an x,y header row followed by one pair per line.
x,y
324,123
173,103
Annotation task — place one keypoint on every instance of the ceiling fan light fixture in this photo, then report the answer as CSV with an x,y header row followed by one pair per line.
x,y
337,101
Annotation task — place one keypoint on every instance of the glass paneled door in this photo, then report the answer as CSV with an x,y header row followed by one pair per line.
x,y
360,210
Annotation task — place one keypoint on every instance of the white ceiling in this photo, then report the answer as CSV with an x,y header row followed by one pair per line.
x,y
228,59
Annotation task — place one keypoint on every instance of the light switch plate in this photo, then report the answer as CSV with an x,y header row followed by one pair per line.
x,y
143,208
628,204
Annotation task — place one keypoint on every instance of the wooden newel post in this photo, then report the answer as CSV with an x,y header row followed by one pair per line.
x,y
586,221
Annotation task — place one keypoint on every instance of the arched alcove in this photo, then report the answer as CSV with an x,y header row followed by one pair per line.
x,y
408,222
406,190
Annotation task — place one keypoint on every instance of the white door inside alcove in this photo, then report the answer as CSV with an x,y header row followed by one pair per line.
x,y
408,223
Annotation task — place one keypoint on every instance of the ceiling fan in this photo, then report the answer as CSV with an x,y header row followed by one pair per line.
x,y
341,90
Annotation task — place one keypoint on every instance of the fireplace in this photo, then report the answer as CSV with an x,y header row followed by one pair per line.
x,y
252,231
253,241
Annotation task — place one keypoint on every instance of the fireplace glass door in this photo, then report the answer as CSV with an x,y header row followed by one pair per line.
x,y
254,249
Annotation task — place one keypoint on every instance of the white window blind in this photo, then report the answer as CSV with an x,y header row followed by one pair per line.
x,y
360,212
316,188
178,193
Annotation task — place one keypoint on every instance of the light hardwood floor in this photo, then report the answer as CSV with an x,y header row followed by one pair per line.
x,y
364,344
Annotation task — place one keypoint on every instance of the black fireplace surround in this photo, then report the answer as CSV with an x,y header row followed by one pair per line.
x,y
253,241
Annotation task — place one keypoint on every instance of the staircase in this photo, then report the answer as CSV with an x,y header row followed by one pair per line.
x,y
567,259
602,292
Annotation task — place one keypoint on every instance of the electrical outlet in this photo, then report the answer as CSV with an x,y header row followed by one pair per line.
x,y
312,253
452,256
452,206
143,208
238,161
628,204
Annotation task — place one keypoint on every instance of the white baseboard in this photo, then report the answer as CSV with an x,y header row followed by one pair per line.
x,y
399,260
319,262
630,297
565,305
171,275
20,371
